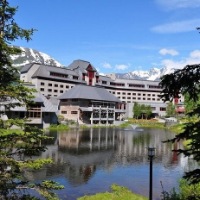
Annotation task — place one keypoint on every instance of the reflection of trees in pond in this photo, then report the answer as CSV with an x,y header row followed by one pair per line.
x,y
52,140
105,148
87,171
142,139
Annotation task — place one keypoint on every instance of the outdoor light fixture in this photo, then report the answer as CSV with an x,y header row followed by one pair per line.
x,y
151,154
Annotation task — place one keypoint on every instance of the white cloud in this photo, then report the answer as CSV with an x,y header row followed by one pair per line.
x,y
116,67
177,27
193,58
171,52
107,65
121,67
178,4
195,54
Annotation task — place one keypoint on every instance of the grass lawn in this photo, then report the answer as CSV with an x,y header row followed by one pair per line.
x,y
117,193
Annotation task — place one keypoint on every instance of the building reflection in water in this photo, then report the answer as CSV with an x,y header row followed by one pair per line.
x,y
77,154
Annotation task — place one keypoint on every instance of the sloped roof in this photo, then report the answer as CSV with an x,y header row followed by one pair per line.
x,y
81,65
89,92
105,78
48,106
44,72
39,98
26,68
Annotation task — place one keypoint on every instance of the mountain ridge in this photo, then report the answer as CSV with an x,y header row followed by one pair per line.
x,y
29,55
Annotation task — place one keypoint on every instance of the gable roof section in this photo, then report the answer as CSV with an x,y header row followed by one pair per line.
x,y
81,65
39,98
26,68
45,70
89,92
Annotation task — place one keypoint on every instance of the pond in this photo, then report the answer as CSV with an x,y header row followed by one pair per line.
x,y
88,161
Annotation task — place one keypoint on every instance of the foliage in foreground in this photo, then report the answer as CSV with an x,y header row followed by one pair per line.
x,y
186,81
186,192
117,193
17,148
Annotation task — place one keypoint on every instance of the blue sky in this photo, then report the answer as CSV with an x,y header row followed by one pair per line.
x,y
114,35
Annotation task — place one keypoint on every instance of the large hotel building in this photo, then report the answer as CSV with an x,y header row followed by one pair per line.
x,y
56,82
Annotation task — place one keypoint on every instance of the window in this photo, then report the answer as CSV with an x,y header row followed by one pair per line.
x,y
124,93
67,86
113,92
144,98
139,94
118,93
133,98
74,112
139,98
61,86
41,89
133,94
117,84
42,83
136,85
129,93
144,94
55,85
63,112
162,109
104,82
49,90
61,91
55,90
155,86
50,84
58,75
149,99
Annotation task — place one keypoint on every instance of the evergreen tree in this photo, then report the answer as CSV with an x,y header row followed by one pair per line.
x,y
17,146
186,81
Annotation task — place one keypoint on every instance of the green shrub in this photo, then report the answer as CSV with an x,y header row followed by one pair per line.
x,y
117,193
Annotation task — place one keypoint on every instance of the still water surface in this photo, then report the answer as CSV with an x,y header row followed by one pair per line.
x,y
90,160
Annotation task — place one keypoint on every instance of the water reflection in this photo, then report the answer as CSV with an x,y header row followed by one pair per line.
x,y
80,156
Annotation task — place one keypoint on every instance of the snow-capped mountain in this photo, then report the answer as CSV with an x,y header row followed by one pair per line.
x,y
153,74
29,55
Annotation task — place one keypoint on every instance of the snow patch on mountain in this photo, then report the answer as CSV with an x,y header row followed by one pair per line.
x,y
153,74
29,55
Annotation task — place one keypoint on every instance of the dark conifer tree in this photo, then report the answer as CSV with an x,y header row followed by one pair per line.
x,y
186,82
17,146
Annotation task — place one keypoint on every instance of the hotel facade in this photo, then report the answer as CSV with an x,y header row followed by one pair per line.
x,y
56,82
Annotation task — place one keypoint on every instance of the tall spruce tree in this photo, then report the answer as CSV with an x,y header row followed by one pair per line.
x,y
186,81
17,146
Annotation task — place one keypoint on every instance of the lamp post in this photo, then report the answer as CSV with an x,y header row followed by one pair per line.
x,y
151,154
